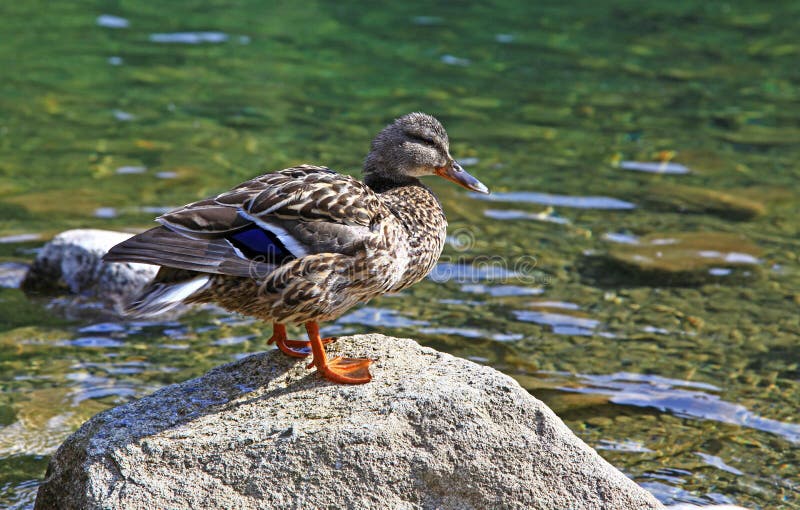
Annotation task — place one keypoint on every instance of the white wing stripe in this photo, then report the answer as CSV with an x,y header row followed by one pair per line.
x,y
236,250
173,295
291,244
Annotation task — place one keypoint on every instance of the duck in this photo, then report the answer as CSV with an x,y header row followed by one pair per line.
x,y
305,244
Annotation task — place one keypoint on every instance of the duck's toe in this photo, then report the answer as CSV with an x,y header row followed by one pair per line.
x,y
346,370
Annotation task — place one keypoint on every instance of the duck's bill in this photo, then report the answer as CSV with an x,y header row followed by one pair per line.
x,y
458,175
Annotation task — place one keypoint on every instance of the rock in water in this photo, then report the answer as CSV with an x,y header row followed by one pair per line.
x,y
675,258
689,199
430,431
72,262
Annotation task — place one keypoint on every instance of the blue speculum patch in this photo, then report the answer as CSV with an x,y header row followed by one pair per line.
x,y
257,242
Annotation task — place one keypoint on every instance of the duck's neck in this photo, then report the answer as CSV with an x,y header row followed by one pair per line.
x,y
380,180
380,185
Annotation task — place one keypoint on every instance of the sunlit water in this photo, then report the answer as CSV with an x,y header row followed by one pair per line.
x,y
611,137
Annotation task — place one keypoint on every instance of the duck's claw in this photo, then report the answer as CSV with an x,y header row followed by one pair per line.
x,y
338,370
346,370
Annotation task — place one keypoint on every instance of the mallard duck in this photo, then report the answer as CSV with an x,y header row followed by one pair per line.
x,y
305,244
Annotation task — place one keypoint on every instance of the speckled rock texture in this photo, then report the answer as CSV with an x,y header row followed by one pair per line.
x,y
430,431
72,262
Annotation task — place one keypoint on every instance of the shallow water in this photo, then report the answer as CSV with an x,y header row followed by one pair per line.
x,y
596,127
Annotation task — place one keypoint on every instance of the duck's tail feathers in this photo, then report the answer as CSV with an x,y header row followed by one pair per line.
x,y
161,297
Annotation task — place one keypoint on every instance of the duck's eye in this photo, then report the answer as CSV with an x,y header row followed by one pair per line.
x,y
424,140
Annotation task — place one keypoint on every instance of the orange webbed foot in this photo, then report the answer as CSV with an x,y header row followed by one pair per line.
x,y
338,370
345,370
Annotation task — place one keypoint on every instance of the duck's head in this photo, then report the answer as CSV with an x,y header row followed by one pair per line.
x,y
412,146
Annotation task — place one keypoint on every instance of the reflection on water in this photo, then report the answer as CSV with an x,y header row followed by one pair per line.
x,y
105,212
666,394
668,490
378,317
658,168
471,333
505,214
622,446
560,324
12,274
713,460
485,269
557,200
110,21
189,38
96,341
129,170
19,238
501,290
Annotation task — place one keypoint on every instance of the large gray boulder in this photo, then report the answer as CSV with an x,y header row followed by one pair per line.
x,y
430,431
72,262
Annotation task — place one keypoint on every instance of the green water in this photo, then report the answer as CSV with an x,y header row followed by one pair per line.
x,y
687,382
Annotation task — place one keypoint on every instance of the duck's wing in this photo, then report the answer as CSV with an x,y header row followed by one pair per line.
x,y
261,224
161,246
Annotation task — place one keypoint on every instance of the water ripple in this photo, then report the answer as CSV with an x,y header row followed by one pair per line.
x,y
448,271
560,323
379,317
654,167
667,395
103,327
506,214
501,290
12,274
577,202
622,446
452,60
686,500
19,238
189,37
111,21
713,460
471,333
129,170
96,342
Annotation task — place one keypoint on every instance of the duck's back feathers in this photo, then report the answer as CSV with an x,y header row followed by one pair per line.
x,y
304,193
261,224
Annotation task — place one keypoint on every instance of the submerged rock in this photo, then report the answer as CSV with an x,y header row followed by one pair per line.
x,y
430,431
690,199
681,257
72,262
766,136
688,251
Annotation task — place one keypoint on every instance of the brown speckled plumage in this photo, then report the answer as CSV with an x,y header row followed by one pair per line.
x,y
305,244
